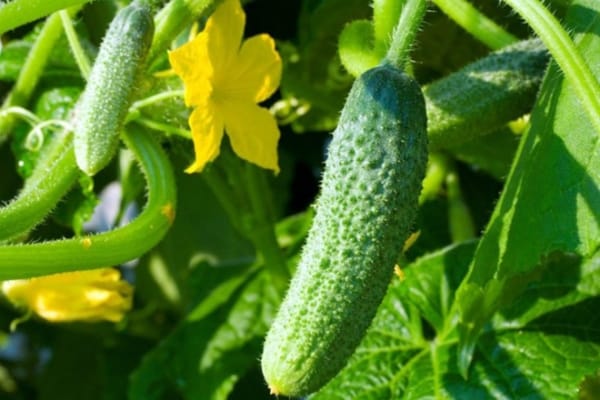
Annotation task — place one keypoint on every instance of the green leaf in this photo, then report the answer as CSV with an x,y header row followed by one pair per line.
x,y
204,357
551,201
548,357
431,281
564,280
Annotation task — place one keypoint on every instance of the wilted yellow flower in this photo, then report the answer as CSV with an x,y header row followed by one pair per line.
x,y
224,80
91,295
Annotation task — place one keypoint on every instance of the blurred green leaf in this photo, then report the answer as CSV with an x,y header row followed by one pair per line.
x,y
491,153
61,69
175,274
314,83
205,356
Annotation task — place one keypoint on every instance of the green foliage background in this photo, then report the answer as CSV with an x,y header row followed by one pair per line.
x,y
518,300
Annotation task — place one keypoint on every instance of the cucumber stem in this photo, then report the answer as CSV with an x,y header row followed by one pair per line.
x,y
564,52
80,57
405,32
385,17
263,235
110,248
32,69
19,12
477,24
244,193
53,176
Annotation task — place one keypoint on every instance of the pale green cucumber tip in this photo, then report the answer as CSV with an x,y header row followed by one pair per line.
x,y
85,166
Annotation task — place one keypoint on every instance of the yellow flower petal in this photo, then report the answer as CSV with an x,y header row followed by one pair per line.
x,y
192,63
224,81
92,295
207,132
257,72
225,29
253,133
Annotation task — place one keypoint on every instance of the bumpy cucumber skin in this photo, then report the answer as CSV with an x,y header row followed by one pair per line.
x,y
103,105
486,94
368,201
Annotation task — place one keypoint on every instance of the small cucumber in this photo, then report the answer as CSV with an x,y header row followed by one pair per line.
x,y
368,201
102,108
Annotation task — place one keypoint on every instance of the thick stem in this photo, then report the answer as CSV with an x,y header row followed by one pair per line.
x,y
110,248
405,32
20,12
385,17
264,226
80,57
55,173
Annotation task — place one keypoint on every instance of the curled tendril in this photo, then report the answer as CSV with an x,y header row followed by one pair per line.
x,y
35,138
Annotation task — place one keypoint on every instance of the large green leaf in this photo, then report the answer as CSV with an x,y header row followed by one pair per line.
x,y
547,357
551,201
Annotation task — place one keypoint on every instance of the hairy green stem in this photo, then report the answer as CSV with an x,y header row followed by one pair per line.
x,y
80,57
155,98
110,248
385,17
263,234
564,52
19,12
246,196
477,24
55,173
168,129
405,32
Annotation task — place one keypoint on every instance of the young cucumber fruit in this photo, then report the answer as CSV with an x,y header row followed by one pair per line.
x,y
103,105
368,201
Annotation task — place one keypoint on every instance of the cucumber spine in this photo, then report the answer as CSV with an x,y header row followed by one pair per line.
x,y
368,201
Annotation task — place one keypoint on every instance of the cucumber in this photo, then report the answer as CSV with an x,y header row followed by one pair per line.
x,y
103,106
368,201
485,95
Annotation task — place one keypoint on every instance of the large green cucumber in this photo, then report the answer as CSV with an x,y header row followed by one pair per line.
x,y
368,201
103,106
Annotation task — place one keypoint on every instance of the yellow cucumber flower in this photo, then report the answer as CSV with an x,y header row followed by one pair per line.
x,y
91,295
224,80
